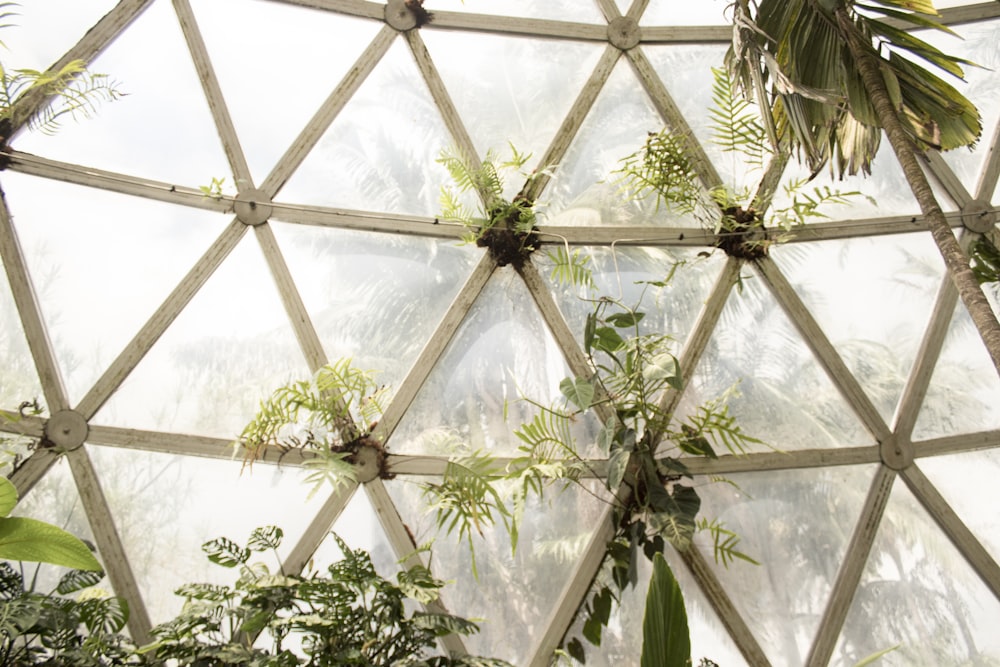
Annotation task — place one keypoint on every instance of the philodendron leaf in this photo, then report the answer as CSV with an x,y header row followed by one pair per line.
x,y
577,391
22,538
666,641
8,496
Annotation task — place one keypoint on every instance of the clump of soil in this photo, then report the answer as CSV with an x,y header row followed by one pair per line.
x,y
742,234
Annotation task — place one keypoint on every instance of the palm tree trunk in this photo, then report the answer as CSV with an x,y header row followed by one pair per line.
x,y
955,259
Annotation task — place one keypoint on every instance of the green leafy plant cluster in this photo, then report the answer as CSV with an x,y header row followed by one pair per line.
x,y
663,168
56,629
505,227
348,615
330,417
77,91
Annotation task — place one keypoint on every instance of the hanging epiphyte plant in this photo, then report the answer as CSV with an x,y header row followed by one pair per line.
x,y
505,227
329,417
664,169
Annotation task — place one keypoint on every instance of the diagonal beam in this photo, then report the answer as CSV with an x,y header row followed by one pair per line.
x,y
319,528
434,348
991,168
137,348
305,332
109,543
35,331
406,549
327,112
823,349
849,576
737,628
213,94
956,530
92,44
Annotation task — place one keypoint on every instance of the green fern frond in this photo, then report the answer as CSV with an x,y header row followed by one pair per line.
x,y
328,468
77,93
713,421
736,124
572,268
663,168
724,543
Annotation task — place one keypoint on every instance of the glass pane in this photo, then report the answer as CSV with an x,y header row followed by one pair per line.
x,y
757,352
511,90
83,263
230,347
502,352
273,86
918,593
966,480
380,154
873,298
166,506
359,527
584,191
624,273
42,32
20,380
796,524
964,392
515,593
162,129
374,297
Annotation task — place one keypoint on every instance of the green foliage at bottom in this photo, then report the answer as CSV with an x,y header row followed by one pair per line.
x,y
348,615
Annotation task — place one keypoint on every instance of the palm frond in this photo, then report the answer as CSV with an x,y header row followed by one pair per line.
x,y
571,268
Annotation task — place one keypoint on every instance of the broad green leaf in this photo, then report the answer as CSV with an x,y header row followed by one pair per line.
x,y
617,465
8,496
104,615
607,339
624,320
27,539
589,332
666,641
577,391
575,650
606,436
663,366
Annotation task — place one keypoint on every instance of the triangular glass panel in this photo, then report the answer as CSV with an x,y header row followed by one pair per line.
x,y
559,10
380,153
84,261
873,297
514,594
621,640
624,274
229,348
757,358
584,189
41,33
686,71
273,86
162,128
918,594
20,379
976,42
963,479
55,499
359,526
166,506
374,297
796,524
964,392
679,12
511,91
501,353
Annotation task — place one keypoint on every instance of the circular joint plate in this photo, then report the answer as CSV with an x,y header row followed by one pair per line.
x,y
624,33
366,464
399,16
896,454
67,430
978,216
252,207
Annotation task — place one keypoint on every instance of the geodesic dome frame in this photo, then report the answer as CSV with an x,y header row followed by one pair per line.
x,y
870,434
